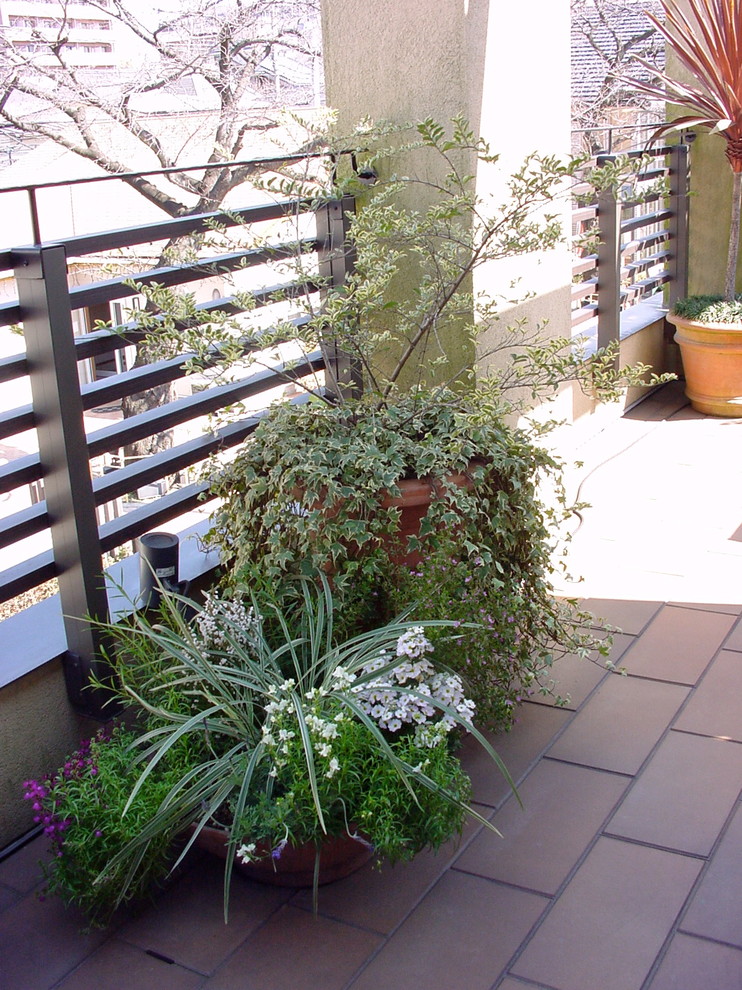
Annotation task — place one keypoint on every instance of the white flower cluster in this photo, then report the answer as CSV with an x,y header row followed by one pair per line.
x,y
322,731
225,619
392,708
414,643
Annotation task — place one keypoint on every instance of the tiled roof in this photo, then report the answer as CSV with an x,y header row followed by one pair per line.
x,y
627,20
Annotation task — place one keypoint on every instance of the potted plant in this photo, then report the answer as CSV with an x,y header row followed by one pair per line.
x,y
706,39
263,737
327,484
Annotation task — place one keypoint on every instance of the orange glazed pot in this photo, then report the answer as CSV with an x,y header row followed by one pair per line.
x,y
340,855
712,363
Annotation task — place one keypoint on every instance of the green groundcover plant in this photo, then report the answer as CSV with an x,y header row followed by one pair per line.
x,y
255,716
81,809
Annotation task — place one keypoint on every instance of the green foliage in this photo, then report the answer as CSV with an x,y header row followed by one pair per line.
x,y
281,738
365,795
509,631
710,309
314,490
313,487
407,315
82,806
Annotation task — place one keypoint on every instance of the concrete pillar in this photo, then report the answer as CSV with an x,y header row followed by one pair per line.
x,y
505,66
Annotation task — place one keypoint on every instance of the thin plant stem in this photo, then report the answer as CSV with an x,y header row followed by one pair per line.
x,y
731,274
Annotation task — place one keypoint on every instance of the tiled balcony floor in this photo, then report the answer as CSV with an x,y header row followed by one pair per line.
x,y
623,871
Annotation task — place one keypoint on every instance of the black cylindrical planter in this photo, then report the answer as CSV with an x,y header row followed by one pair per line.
x,y
158,562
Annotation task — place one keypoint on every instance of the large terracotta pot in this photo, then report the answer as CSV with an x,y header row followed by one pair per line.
x,y
414,500
712,362
340,856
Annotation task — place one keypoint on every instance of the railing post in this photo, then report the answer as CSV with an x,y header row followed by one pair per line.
x,y
336,261
679,178
609,263
41,275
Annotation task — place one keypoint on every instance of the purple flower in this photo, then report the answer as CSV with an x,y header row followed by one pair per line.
x,y
276,853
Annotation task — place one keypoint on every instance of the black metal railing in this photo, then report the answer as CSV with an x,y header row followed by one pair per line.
x,y
74,483
635,245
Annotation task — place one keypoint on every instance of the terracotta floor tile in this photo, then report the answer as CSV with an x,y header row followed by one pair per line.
x,y
678,644
606,929
116,964
518,749
620,724
40,943
563,807
22,870
572,678
187,924
716,908
734,639
511,983
379,899
731,608
462,935
694,964
684,795
296,951
7,897
715,709
629,616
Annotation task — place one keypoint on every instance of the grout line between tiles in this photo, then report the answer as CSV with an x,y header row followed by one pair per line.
x,y
633,841
522,981
554,899
589,766
602,832
705,735
495,808
677,925
708,938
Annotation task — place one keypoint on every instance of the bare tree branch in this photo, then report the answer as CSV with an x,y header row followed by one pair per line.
x,y
613,42
214,48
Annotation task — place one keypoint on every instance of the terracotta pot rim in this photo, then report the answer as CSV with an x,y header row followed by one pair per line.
x,y
683,321
343,854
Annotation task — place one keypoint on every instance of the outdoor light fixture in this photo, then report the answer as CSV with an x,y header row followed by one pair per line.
x,y
158,567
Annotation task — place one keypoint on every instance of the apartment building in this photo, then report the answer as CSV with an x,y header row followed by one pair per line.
x,y
78,31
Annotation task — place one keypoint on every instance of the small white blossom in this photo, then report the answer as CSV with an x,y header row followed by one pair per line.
x,y
392,707
223,623
246,853
332,767
342,679
413,643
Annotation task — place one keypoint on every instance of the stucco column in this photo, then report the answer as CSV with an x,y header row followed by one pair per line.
x,y
505,66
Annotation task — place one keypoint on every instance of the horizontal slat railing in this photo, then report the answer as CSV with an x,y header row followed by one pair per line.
x,y
642,244
165,230
81,527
